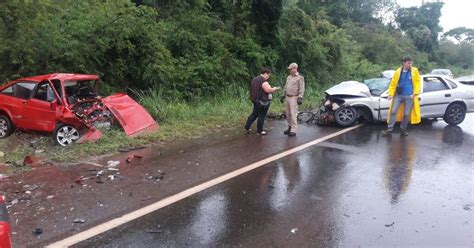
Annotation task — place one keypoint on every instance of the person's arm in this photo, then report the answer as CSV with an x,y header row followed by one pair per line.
x,y
301,87
269,89
416,82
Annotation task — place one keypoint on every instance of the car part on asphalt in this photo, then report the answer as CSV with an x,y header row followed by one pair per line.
x,y
37,231
305,116
129,149
130,158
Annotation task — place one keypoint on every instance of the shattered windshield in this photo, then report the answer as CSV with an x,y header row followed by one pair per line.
x,y
377,86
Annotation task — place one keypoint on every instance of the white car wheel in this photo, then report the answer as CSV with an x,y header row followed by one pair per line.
x,y
6,127
66,135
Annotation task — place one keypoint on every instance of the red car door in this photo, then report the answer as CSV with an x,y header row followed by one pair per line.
x,y
39,112
13,99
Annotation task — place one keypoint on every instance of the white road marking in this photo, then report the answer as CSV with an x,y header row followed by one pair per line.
x,y
104,227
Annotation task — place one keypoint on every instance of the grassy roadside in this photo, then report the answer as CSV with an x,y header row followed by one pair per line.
x,y
178,121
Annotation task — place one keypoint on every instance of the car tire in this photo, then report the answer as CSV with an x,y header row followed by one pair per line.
x,y
66,135
455,114
346,116
6,126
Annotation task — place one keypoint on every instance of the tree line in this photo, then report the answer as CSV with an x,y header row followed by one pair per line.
x,y
193,48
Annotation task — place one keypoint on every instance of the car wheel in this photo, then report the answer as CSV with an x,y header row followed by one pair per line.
x,y
455,114
66,135
346,116
6,127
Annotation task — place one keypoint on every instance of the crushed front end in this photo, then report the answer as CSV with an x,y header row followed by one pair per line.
x,y
328,107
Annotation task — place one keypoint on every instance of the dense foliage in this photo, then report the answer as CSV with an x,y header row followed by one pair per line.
x,y
189,49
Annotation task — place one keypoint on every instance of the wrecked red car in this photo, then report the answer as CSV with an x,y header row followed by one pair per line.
x,y
69,106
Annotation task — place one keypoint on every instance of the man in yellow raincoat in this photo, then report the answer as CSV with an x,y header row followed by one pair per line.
x,y
403,93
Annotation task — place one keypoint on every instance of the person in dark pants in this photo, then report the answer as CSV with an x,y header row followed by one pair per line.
x,y
260,95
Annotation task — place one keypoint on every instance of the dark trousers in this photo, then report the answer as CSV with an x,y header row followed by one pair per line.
x,y
259,112
407,101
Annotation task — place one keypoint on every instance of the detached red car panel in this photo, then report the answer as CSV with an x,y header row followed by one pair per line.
x,y
131,115
68,105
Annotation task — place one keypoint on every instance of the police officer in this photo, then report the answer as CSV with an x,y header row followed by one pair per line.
x,y
293,96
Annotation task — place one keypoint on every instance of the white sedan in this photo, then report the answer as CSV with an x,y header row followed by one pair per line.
x,y
352,101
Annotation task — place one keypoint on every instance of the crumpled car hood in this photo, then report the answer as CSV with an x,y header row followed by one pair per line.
x,y
349,88
131,115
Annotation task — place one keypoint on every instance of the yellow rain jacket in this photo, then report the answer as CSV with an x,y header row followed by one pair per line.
x,y
416,80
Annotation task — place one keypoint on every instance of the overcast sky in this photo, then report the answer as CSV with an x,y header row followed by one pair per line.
x,y
455,13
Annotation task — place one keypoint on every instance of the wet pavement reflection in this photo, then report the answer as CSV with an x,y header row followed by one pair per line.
x,y
358,189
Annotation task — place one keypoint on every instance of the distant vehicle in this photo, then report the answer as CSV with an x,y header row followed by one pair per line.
x,y
352,101
443,72
387,73
466,79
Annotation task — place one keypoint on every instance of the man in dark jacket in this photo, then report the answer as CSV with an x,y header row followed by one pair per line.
x,y
260,95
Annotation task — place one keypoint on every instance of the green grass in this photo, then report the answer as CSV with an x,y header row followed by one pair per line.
x,y
178,120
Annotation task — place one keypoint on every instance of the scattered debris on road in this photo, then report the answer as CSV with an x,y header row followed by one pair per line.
x,y
129,149
389,225
294,230
467,207
79,221
3,176
130,158
156,178
113,163
32,161
37,231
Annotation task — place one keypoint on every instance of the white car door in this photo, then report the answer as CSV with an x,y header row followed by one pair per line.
x,y
435,98
384,106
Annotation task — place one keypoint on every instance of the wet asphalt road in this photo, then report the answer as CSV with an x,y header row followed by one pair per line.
x,y
358,189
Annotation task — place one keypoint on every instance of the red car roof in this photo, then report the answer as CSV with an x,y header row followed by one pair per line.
x,y
60,76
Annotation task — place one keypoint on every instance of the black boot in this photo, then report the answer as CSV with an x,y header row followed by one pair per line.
x,y
286,132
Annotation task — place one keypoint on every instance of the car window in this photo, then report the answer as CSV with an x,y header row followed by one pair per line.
x,y
433,84
453,84
8,91
44,93
377,86
23,90
57,87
